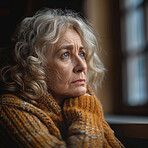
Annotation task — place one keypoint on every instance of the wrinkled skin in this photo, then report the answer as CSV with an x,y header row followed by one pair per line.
x,y
67,68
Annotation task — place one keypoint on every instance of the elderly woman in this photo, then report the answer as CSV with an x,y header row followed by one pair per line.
x,y
46,79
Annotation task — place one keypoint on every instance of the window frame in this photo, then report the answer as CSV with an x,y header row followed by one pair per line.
x,y
120,107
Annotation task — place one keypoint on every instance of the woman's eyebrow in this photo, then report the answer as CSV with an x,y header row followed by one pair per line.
x,y
82,48
66,47
69,47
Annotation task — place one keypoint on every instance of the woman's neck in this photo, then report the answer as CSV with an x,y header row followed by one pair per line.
x,y
58,98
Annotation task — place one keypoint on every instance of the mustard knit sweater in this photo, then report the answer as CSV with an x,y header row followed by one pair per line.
x,y
79,123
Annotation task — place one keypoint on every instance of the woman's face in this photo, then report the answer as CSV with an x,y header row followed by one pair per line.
x,y
67,68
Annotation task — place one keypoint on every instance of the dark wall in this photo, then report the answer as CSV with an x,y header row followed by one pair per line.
x,y
134,142
12,11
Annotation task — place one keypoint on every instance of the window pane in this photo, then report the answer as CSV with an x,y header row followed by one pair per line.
x,y
146,20
136,81
130,3
134,30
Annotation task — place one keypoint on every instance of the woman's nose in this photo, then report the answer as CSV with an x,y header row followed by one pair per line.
x,y
79,65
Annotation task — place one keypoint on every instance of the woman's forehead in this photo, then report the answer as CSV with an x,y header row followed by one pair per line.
x,y
69,36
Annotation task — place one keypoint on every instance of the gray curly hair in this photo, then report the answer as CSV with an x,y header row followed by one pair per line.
x,y
24,72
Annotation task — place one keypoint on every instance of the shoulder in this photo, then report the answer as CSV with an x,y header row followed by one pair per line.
x,y
12,106
15,105
12,102
24,122
9,99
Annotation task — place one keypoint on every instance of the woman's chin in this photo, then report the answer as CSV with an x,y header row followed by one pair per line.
x,y
79,91
73,92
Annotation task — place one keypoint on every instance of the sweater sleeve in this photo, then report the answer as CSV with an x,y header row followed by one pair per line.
x,y
87,127
24,129
110,139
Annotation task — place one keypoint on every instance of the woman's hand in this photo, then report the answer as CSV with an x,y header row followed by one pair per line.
x,y
83,115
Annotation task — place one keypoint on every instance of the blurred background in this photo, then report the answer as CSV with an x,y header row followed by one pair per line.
x,y
122,29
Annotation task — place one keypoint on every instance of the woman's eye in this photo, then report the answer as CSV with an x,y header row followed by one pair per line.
x,y
65,55
82,54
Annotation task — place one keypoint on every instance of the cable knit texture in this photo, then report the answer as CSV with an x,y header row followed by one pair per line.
x,y
78,123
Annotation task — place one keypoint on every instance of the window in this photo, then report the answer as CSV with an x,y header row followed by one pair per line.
x,y
134,62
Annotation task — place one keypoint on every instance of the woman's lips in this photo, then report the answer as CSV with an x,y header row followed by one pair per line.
x,y
79,81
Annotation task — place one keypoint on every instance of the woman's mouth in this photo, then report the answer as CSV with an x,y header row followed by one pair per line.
x,y
79,81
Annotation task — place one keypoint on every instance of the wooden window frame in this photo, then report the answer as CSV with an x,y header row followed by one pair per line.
x,y
119,106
